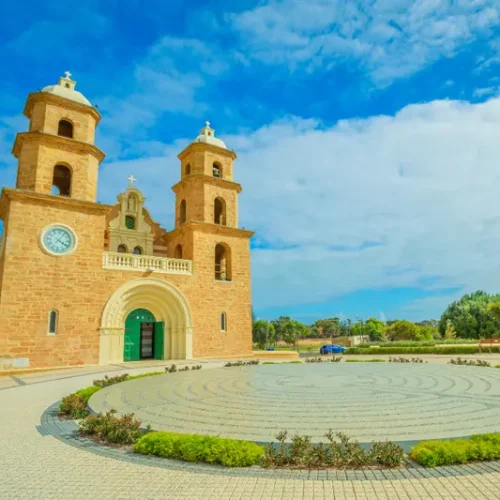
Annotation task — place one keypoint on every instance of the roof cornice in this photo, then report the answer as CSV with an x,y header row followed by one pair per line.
x,y
52,200
49,98
204,146
206,179
56,141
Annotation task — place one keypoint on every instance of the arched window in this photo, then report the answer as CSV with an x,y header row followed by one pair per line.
x,y
53,317
187,170
222,262
65,129
223,322
182,214
178,252
129,222
122,249
220,211
138,251
61,182
216,170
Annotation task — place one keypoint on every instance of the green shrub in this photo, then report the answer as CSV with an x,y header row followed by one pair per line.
x,y
450,452
73,406
406,360
196,448
87,392
470,349
142,375
469,362
334,359
107,381
341,454
110,429
242,363
421,343
365,360
387,454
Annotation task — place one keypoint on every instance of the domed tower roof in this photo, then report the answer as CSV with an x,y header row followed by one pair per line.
x,y
207,135
66,88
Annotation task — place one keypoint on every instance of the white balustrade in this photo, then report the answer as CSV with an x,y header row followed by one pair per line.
x,y
131,262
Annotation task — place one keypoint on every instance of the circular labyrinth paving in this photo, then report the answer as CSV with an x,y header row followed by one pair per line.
x,y
400,402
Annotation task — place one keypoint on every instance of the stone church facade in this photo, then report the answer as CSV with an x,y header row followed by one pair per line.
x,y
86,283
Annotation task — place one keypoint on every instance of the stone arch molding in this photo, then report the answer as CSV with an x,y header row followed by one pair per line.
x,y
167,304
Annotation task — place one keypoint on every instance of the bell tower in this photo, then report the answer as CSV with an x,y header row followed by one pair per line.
x,y
57,155
207,192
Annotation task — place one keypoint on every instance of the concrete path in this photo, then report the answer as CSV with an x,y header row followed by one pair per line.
x,y
35,467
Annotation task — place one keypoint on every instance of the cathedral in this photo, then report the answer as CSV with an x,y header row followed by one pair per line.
x,y
85,283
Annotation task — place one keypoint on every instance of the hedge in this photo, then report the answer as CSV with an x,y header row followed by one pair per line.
x,y
196,448
450,452
422,343
472,349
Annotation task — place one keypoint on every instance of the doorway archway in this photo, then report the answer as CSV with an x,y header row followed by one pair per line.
x,y
161,300
144,336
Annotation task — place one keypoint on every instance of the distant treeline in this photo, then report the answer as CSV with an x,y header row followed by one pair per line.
x,y
474,316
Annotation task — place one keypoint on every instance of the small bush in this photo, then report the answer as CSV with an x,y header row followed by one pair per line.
x,y
450,452
196,448
197,367
170,369
365,360
242,363
406,360
469,362
73,406
110,429
107,381
334,359
341,454
387,454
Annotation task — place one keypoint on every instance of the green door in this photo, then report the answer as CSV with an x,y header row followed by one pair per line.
x,y
132,340
159,342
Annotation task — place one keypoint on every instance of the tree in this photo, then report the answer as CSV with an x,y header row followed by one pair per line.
x,y
450,332
375,330
289,330
470,316
493,309
402,330
327,327
263,333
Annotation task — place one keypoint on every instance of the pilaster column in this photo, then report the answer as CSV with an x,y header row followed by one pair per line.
x,y
111,345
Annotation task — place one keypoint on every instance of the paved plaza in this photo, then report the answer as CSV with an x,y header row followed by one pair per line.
x,y
37,465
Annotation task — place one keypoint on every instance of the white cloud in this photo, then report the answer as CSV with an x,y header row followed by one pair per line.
x,y
389,201
390,38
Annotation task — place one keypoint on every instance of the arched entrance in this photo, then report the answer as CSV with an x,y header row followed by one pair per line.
x,y
144,336
155,299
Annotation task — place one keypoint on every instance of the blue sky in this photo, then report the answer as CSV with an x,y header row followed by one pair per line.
x,y
367,132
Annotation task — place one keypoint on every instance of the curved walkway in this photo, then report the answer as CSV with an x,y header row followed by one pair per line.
x,y
35,466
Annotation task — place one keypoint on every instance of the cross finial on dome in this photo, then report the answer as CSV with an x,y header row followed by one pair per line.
x,y
67,75
131,179
207,124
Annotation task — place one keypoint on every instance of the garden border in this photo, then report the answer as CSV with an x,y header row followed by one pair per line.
x,y
66,431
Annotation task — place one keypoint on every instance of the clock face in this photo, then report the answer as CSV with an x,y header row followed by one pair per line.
x,y
58,240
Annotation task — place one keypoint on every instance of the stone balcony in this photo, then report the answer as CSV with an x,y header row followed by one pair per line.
x,y
144,263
